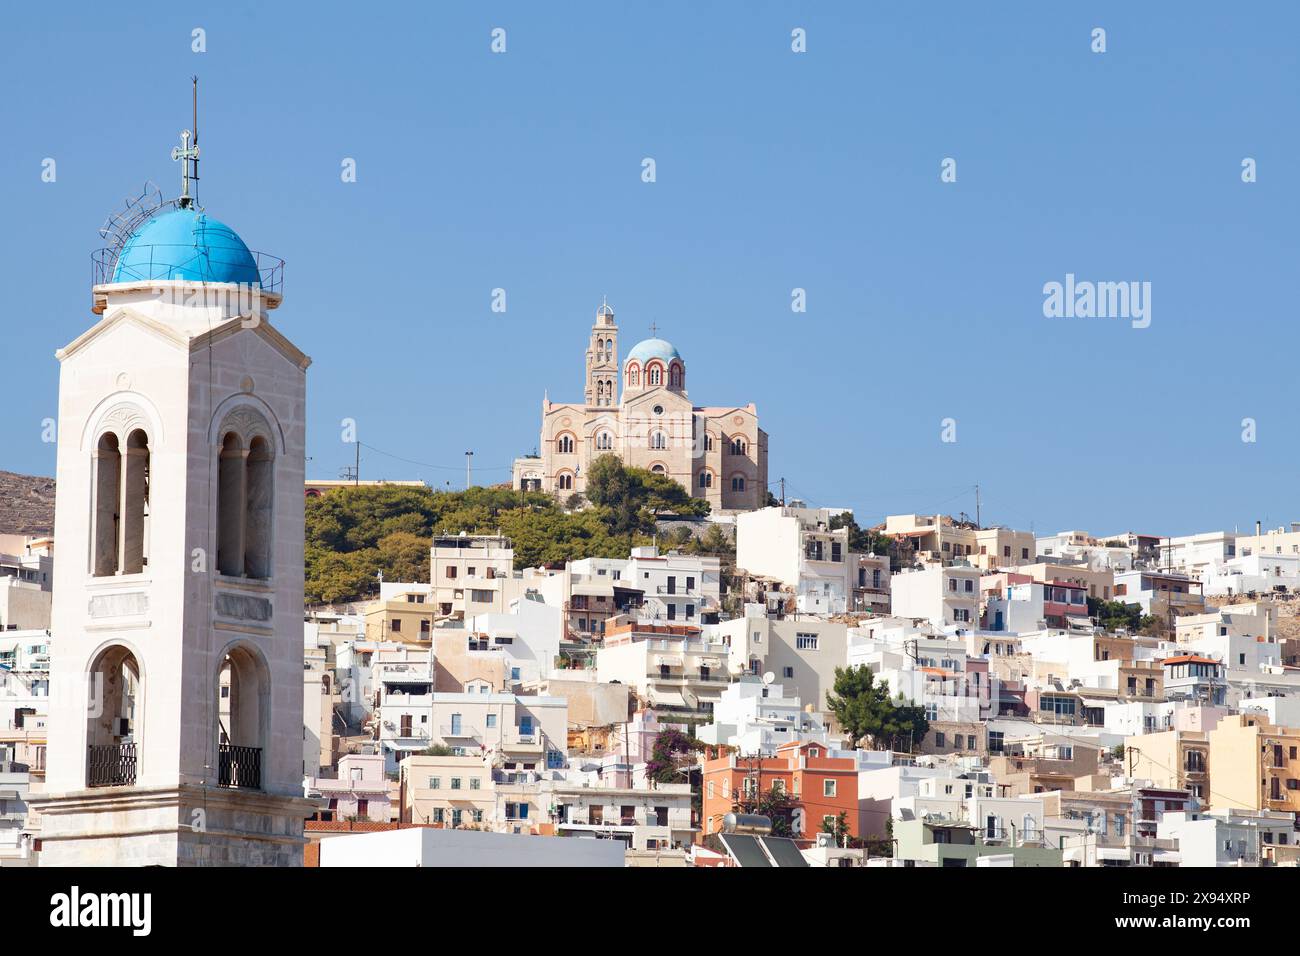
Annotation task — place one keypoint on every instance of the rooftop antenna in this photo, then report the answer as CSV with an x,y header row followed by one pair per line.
x,y
188,154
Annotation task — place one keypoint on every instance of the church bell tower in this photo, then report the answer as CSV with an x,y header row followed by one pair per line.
x,y
602,360
176,707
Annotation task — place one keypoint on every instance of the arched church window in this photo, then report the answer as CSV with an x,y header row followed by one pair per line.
x,y
565,445
706,479
659,441
657,469
609,349
565,481
738,483
604,441
653,375
738,446
633,375
600,393
675,376
108,476
708,442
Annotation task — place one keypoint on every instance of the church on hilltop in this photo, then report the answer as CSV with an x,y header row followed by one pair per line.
x,y
641,412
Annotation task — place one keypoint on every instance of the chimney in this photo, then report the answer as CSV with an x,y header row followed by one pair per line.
x,y
1257,529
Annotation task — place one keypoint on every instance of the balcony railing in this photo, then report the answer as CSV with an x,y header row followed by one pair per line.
x,y
458,731
239,767
110,765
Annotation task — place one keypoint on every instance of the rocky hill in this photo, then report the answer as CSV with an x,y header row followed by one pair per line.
x,y
26,504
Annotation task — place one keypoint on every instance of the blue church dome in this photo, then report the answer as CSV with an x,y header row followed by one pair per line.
x,y
186,244
649,349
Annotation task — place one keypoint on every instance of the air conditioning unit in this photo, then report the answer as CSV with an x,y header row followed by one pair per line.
x,y
121,727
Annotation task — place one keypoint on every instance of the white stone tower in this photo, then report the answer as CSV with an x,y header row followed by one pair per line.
x,y
175,726
602,360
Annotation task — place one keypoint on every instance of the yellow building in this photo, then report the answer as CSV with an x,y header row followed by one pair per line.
x,y
1256,765
1171,759
407,618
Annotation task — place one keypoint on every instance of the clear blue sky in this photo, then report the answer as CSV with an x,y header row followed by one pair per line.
x,y
775,171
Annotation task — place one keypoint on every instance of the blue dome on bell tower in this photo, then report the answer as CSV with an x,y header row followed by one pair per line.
x,y
186,244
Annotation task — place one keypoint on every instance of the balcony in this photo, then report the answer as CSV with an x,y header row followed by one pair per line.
x,y
522,742
458,732
110,765
239,768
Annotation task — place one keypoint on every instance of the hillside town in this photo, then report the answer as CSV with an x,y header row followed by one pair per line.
x,y
798,692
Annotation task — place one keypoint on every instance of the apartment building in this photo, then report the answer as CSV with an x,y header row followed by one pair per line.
x,y
934,539
674,667
821,785
472,574
1100,584
1255,765
797,547
1173,759
757,718
945,596
1002,548
801,654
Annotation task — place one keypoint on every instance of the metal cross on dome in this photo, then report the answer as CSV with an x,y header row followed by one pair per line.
x,y
653,328
186,154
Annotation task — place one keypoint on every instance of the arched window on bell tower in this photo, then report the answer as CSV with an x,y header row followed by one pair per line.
x,y
231,479
120,510
135,503
108,477
257,514
245,506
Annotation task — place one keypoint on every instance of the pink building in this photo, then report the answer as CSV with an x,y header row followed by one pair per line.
x,y
360,792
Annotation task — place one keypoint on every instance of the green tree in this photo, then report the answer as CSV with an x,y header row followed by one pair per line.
x,y
777,805
838,827
865,711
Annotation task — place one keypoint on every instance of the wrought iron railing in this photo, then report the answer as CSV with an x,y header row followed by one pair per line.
x,y
103,266
110,765
239,767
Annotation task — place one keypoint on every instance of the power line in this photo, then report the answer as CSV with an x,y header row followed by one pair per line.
x,y
425,464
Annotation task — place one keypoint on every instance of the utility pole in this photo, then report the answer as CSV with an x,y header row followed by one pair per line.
x,y
469,468
356,472
782,492
977,507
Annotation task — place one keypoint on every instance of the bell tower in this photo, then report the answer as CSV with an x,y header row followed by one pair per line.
x,y
602,360
175,720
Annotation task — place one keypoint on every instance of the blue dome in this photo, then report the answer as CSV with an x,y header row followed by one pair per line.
x,y
186,244
649,349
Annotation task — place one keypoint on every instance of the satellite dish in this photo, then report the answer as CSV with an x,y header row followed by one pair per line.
x,y
768,677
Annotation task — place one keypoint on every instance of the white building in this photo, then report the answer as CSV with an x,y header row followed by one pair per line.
x,y
797,547
426,847
946,596
757,718
800,653
675,668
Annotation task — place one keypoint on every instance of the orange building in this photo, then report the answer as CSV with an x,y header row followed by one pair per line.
x,y
821,786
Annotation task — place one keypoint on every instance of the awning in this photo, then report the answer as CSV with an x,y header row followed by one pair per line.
x,y
668,660
1168,856
710,662
594,588
8,794
1106,853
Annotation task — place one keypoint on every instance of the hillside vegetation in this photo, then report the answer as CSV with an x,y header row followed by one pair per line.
x,y
355,533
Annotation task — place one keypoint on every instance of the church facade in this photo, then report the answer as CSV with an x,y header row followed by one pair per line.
x,y
640,410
